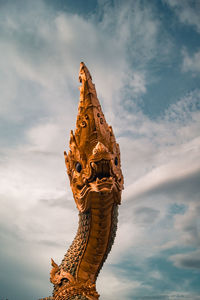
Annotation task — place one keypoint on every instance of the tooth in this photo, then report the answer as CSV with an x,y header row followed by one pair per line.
x,y
85,181
94,166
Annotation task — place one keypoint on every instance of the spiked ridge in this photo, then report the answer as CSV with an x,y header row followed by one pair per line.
x,y
94,169
91,126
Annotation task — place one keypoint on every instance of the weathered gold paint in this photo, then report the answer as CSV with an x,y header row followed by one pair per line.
x,y
94,169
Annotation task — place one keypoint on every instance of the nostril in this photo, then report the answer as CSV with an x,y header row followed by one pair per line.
x,y
79,187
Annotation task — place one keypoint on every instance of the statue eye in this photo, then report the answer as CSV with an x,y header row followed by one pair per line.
x,y
116,161
78,167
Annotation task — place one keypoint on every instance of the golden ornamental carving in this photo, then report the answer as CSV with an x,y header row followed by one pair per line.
x,y
94,168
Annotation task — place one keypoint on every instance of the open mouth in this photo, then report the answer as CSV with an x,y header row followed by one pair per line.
x,y
101,179
101,171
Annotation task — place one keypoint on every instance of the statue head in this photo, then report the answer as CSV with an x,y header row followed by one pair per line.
x,y
93,161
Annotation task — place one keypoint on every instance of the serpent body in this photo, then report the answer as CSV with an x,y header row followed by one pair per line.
x,y
94,169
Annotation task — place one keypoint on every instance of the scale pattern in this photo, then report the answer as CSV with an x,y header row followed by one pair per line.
x,y
75,251
113,230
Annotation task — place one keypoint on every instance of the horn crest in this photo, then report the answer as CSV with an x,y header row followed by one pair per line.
x,y
91,126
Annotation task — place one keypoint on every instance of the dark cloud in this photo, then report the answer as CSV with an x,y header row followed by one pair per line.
x,y
190,263
189,260
183,188
187,186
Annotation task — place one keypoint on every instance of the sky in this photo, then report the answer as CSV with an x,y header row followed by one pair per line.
x,y
144,57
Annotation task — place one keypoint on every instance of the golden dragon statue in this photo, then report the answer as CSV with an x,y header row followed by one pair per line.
x,y
94,169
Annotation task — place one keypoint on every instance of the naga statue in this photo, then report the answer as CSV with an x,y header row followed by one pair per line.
x,y
94,169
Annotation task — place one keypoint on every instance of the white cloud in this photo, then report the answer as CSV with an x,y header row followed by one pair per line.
x,y
188,226
136,82
187,11
113,285
191,63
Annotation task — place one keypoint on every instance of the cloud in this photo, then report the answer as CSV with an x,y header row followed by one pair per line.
x,y
161,167
187,11
113,283
61,202
133,25
145,215
191,63
165,178
164,152
189,260
188,226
